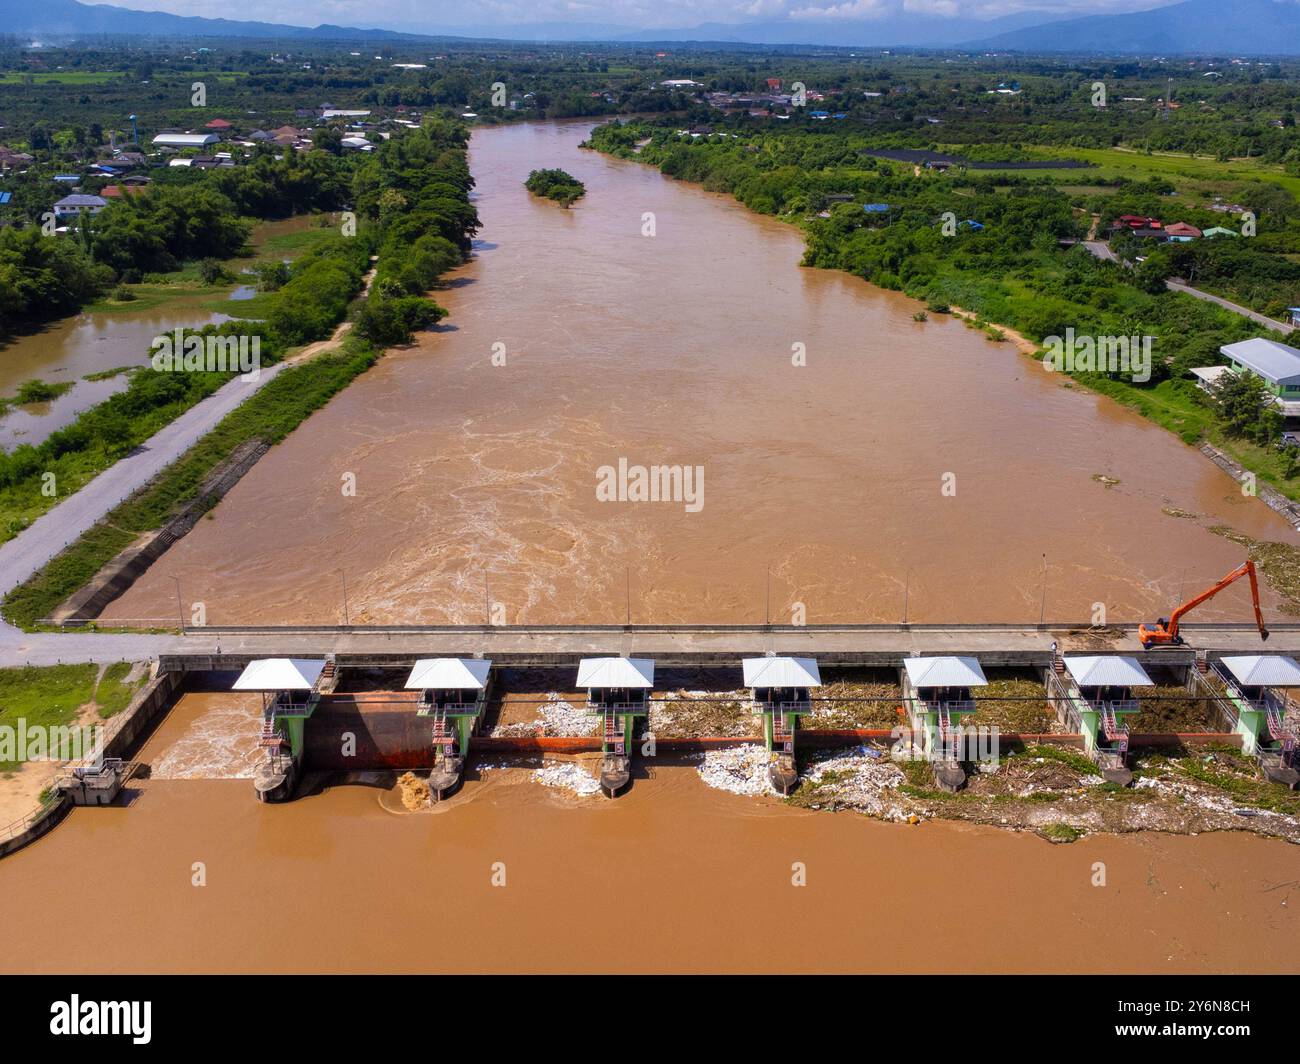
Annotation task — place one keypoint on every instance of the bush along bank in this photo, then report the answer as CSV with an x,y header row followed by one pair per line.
x,y
433,170
966,241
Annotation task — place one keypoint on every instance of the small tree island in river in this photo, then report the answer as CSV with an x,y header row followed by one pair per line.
x,y
556,185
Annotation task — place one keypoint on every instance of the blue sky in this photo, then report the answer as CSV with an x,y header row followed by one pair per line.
x,y
480,15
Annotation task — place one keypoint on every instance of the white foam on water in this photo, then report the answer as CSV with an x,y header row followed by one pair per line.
x,y
221,744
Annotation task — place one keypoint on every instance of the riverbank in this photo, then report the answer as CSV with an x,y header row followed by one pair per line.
x,y
1013,283
61,696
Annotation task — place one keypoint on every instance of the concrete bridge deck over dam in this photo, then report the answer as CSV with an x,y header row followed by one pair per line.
x,y
846,644
224,647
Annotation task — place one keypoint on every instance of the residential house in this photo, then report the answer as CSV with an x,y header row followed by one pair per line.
x,y
72,207
13,160
1181,231
1276,363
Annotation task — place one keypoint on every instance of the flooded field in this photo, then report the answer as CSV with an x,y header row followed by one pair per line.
x,y
68,350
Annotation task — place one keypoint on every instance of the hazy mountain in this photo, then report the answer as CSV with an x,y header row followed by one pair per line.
x,y
63,18
1216,27
1235,27
67,18
924,31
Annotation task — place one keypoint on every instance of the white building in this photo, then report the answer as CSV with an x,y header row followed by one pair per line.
x,y
185,140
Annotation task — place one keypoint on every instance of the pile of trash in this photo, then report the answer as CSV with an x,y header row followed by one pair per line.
x,y
864,778
740,770
568,776
556,716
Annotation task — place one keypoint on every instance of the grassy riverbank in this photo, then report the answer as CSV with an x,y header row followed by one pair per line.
x,y
270,415
310,304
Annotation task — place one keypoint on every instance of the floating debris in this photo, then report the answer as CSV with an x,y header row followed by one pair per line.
x,y
568,776
415,791
1013,705
843,706
864,779
1102,478
686,714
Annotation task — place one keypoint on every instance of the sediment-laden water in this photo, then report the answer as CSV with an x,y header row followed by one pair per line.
x,y
476,480
673,876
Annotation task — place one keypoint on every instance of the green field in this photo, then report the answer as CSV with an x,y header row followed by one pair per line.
x,y
1178,169
65,77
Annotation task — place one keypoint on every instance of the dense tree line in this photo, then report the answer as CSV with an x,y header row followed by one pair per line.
x,y
415,191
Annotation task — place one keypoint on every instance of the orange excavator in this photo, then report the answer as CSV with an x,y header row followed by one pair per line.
x,y
1164,632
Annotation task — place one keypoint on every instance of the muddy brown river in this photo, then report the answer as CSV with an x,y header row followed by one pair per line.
x,y
672,876
476,476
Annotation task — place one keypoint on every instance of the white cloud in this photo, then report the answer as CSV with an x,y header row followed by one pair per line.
x,y
482,15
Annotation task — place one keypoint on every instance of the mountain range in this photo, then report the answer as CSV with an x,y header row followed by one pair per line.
x,y
1214,27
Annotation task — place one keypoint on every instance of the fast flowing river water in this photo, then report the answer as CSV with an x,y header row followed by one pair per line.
x,y
672,876
677,349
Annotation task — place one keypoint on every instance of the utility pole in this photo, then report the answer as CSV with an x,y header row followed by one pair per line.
x,y
1042,606
180,610
346,622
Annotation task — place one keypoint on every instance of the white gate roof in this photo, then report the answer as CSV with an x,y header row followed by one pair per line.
x,y
781,672
449,674
945,672
1266,670
1107,670
616,672
280,674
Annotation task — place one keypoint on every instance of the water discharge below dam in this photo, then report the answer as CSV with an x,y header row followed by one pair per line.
x,y
676,350
692,878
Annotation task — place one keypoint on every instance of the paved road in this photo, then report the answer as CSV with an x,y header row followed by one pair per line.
x,y
1101,250
27,552
1245,312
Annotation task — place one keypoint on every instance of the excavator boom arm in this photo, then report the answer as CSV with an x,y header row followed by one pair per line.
x,y
1246,568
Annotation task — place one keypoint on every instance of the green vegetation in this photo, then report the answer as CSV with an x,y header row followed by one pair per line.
x,y
1058,832
52,696
114,692
36,391
556,185
1230,772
